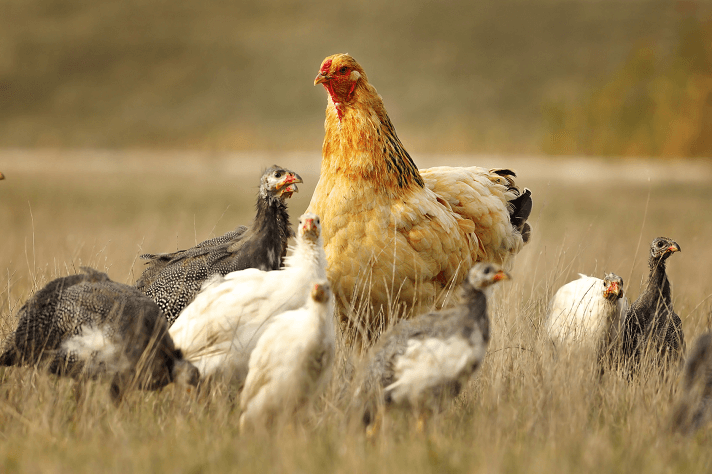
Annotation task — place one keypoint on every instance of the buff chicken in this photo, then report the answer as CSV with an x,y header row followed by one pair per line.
x,y
396,237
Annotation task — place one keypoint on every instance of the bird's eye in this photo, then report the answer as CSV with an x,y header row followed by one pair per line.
x,y
487,270
343,70
278,174
660,244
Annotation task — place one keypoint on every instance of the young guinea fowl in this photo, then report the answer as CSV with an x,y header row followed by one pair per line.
x,y
88,325
694,408
393,233
587,312
219,329
291,361
173,279
651,325
422,360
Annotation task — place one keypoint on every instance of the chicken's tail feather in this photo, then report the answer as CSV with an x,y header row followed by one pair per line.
x,y
520,208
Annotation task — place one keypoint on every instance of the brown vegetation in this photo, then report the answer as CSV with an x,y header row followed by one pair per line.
x,y
530,409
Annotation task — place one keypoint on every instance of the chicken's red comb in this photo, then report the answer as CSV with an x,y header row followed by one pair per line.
x,y
325,67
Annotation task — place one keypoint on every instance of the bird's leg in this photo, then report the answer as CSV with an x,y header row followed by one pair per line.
x,y
374,428
421,423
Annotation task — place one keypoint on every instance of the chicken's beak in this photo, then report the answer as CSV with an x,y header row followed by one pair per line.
x,y
321,77
2,176
310,227
501,275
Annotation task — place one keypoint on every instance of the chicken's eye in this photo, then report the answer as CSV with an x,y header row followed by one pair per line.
x,y
487,270
343,70
278,174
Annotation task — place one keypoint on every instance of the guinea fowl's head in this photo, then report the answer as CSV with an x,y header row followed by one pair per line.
x,y
340,74
309,227
278,182
184,374
612,287
320,292
662,248
485,274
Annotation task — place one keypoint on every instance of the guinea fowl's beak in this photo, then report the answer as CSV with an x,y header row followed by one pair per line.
x,y
310,227
321,77
501,275
288,184
613,289
674,248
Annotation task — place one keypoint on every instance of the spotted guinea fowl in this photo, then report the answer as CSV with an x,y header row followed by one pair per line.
x,y
587,313
220,328
291,361
422,360
651,325
694,407
173,279
88,325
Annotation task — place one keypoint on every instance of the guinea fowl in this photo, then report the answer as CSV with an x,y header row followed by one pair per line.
x,y
173,279
587,312
291,361
88,325
420,361
396,236
694,408
220,328
651,326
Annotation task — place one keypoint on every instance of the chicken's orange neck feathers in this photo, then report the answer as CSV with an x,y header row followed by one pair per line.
x,y
361,142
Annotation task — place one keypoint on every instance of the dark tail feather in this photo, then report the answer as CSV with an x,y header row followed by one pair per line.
x,y
7,358
519,213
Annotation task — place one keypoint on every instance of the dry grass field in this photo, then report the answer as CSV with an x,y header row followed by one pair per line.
x,y
528,410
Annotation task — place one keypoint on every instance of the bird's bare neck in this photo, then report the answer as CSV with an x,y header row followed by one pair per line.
x,y
658,283
362,144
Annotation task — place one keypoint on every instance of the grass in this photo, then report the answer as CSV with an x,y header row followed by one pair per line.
x,y
528,410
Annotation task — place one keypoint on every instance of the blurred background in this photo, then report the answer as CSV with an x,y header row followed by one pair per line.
x,y
591,77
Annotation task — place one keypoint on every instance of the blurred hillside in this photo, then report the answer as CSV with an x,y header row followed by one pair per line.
x,y
456,76
655,105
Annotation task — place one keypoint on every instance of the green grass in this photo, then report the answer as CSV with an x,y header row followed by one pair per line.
x,y
528,410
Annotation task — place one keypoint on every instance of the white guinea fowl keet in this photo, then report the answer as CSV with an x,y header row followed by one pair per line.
x,y
587,312
220,328
291,361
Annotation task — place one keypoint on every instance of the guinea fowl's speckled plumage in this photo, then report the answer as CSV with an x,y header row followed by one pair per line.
x,y
651,325
694,407
172,280
421,360
87,324
391,230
